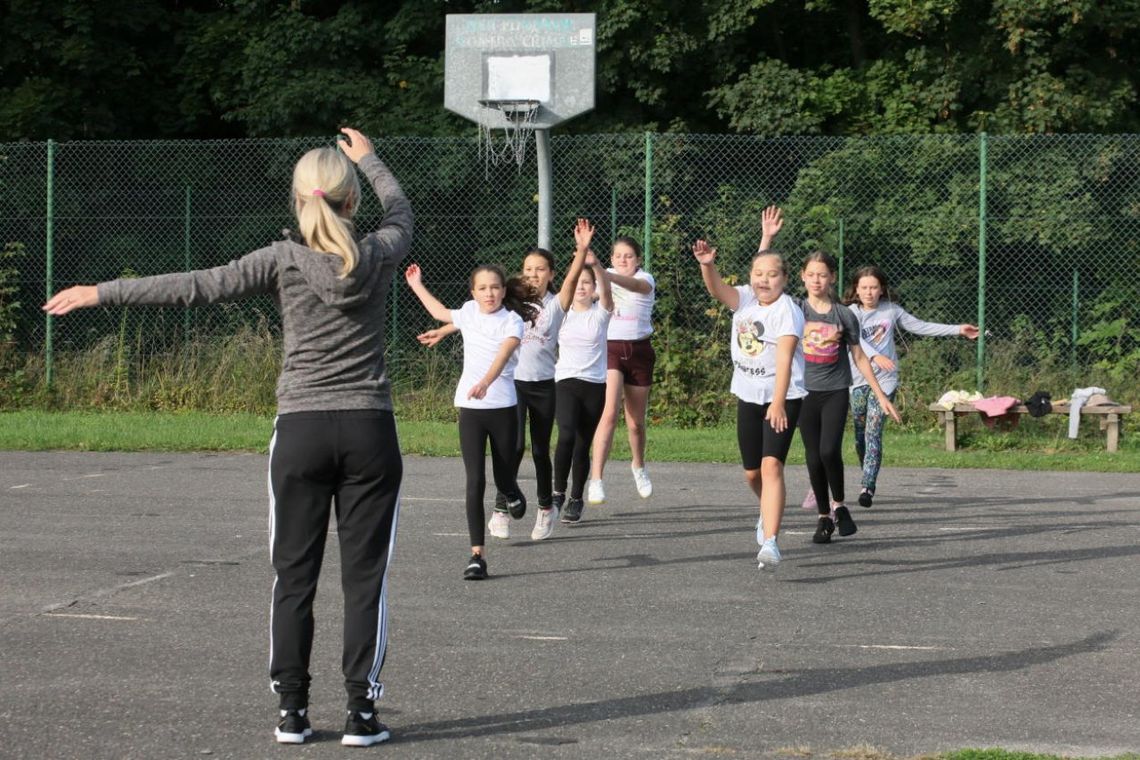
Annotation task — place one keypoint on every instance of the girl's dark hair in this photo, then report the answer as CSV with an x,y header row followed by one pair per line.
x,y
518,295
536,251
824,258
636,246
851,296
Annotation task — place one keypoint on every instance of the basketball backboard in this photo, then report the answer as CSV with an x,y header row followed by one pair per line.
x,y
495,58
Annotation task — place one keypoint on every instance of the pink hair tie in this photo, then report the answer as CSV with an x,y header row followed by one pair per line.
x,y
319,193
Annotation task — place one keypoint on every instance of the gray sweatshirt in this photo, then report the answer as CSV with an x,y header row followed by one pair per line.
x,y
333,327
877,330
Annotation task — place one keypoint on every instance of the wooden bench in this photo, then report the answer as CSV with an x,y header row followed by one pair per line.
x,y
1110,416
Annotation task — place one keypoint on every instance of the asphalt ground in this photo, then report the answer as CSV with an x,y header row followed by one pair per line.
x,y
972,609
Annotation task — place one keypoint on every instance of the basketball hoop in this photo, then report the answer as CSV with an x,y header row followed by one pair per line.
x,y
513,137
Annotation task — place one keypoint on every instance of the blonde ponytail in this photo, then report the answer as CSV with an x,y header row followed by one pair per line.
x,y
326,192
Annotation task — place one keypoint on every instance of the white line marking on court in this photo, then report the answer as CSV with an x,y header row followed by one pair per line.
x,y
543,638
422,498
449,535
89,475
895,646
22,485
89,617
105,592
966,528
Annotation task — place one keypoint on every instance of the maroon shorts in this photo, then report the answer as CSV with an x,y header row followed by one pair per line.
x,y
634,359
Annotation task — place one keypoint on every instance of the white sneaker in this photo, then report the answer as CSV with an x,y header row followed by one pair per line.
x,y
769,555
809,500
595,492
544,523
641,479
500,525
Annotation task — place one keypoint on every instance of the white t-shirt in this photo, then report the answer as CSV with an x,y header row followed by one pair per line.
x,y
632,311
755,332
483,335
582,344
536,353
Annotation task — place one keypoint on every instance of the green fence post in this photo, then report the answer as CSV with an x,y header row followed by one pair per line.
x,y
613,214
840,286
648,200
49,244
1076,317
186,264
982,149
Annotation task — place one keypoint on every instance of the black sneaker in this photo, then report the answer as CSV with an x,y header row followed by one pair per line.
x,y
363,730
517,506
823,530
572,512
844,522
476,568
865,498
293,728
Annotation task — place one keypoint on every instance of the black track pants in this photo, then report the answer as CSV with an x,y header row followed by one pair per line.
x,y
823,418
580,405
476,426
349,460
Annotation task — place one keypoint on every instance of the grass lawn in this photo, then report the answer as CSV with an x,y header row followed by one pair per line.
x,y
1023,449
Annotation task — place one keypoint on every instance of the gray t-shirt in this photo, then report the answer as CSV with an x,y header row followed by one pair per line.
x,y
827,341
333,327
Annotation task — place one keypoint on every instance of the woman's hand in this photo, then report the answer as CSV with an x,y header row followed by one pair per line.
x,y
889,408
78,297
356,147
704,253
431,337
883,363
413,274
777,417
583,233
478,390
771,222
969,331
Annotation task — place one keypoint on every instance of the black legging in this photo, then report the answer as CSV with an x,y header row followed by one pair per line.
x,y
823,418
580,405
537,398
475,427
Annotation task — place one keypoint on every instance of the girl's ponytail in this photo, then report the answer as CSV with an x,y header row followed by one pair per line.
x,y
521,298
326,192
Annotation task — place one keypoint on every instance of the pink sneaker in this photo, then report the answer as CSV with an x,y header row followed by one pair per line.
x,y
809,501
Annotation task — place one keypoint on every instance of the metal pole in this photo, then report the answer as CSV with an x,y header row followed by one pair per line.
x,y
545,186
648,231
982,156
186,263
840,287
613,214
1076,307
49,253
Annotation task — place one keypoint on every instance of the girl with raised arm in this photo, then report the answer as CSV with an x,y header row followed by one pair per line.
x,y
767,379
334,439
629,367
580,374
491,324
878,319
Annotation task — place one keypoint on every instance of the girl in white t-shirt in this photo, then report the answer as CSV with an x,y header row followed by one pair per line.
x,y
629,366
767,380
580,377
492,328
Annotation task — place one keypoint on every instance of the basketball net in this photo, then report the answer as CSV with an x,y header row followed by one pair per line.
x,y
500,144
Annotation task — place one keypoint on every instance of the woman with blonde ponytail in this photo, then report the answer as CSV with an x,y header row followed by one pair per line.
x,y
334,440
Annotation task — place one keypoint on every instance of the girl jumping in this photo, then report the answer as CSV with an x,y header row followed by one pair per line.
x,y
491,324
767,379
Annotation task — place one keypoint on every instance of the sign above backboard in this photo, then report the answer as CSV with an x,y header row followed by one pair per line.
x,y
497,58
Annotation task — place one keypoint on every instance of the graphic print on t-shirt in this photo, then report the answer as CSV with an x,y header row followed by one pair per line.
x,y
875,333
748,337
821,343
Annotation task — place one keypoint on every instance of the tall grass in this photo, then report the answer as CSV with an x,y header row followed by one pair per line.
x,y
238,373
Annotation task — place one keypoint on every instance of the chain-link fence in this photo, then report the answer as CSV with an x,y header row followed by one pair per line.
x,y
1035,238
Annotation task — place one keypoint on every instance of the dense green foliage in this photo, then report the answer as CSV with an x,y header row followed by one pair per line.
x,y
193,68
